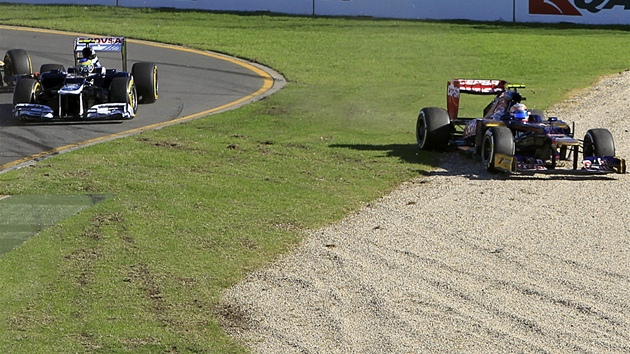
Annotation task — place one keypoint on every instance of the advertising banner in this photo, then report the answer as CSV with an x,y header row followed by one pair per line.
x,y
574,11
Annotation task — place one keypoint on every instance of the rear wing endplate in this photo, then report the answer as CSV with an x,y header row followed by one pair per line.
x,y
101,44
456,87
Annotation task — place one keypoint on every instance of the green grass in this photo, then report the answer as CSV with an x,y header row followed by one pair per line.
x,y
199,205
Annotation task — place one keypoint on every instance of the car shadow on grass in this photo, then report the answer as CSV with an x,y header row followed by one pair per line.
x,y
406,153
436,163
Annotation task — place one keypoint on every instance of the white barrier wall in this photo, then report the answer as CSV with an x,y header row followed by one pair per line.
x,y
480,10
294,7
551,11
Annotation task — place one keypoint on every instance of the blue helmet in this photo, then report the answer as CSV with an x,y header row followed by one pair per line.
x,y
519,111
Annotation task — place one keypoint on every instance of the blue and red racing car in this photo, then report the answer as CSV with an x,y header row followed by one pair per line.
x,y
510,138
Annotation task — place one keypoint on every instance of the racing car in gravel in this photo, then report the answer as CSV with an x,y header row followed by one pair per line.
x,y
86,91
510,138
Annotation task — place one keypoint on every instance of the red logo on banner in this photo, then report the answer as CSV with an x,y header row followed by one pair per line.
x,y
553,7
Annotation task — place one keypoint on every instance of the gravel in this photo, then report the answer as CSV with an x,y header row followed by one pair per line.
x,y
461,261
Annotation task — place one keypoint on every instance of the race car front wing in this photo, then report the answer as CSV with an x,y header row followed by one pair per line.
x,y
33,112
111,111
590,165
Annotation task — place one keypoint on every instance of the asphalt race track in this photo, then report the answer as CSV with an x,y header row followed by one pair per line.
x,y
191,84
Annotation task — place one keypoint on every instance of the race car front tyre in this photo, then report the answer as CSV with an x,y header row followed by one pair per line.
x,y
496,140
17,62
123,90
433,129
25,91
598,142
146,76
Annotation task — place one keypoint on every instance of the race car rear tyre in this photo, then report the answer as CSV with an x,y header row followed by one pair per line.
x,y
123,90
146,76
17,62
25,91
50,67
433,129
496,140
598,142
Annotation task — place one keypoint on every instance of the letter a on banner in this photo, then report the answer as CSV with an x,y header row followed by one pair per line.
x,y
553,7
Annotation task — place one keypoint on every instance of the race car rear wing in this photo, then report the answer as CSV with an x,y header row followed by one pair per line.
x,y
456,87
101,44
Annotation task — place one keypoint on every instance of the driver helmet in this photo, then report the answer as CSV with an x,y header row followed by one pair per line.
x,y
519,111
85,66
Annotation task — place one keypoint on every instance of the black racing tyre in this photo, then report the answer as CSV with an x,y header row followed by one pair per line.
x,y
50,67
433,129
598,142
17,62
146,77
496,140
123,90
25,91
